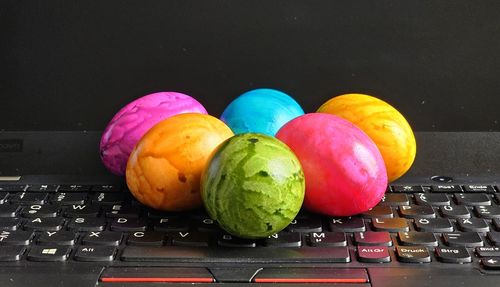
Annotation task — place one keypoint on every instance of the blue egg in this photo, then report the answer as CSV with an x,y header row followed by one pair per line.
x,y
261,111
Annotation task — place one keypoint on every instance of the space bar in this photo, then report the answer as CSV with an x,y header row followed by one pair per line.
x,y
235,255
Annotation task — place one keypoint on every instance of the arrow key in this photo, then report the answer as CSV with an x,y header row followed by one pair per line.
x,y
491,263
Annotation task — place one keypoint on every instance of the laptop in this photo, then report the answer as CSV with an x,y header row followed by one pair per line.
x,y
68,66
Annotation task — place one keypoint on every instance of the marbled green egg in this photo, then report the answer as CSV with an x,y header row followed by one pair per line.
x,y
253,185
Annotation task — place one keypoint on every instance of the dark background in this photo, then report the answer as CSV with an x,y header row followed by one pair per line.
x,y
70,65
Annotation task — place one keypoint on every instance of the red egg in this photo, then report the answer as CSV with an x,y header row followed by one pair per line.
x,y
344,170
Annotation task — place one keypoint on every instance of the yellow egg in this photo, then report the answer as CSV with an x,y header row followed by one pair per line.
x,y
383,124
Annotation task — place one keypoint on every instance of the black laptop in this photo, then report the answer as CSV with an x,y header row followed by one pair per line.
x,y
66,67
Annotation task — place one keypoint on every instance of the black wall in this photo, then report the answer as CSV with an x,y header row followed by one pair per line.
x,y
72,64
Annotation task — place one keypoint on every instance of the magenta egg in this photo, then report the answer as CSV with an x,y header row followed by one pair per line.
x,y
344,170
128,126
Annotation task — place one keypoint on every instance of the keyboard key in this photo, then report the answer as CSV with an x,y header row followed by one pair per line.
x,y
416,211
9,210
11,253
106,198
407,188
48,253
3,197
318,239
57,238
417,238
43,187
82,210
433,225
128,224
10,223
147,238
347,224
479,188
413,254
434,199
373,254
87,224
13,187
455,211
494,238
207,225
44,224
284,239
226,240
28,197
236,255
371,238
395,199
390,224
68,198
473,225
190,238
95,253
171,224
488,251
378,211
453,255
491,263
118,210
37,210
488,212
446,188
102,238
466,239
496,223
305,225
472,199
15,237
107,188
74,188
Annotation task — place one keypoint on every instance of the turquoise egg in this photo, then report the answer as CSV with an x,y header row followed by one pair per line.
x,y
261,111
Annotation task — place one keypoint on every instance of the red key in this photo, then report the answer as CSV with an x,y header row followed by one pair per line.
x,y
374,254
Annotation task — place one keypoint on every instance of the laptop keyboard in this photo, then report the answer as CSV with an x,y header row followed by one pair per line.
x,y
440,224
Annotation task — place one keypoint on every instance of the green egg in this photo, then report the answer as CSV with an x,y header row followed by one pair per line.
x,y
253,185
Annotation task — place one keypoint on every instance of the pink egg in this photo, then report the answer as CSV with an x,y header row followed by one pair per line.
x,y
344,170
135,119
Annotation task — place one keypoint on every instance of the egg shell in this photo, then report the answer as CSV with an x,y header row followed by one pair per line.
x,y
253,185
135,119
344,170
384,124
261,111
164,169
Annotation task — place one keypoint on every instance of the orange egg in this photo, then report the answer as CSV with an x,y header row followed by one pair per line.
x,y
383,124
164,169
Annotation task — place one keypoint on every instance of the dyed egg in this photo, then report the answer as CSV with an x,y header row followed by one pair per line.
x,y
165,167
261,111
253,185
384,124
344,170
135,119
